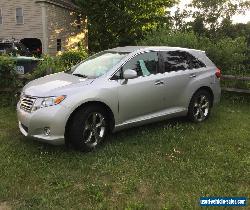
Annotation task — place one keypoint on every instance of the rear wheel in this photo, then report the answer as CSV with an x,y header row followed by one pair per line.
x,y
88,128
200,106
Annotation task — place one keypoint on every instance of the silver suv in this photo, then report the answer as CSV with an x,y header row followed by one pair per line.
x,y
117,89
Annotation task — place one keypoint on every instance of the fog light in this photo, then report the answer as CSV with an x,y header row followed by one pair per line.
x,y
46,131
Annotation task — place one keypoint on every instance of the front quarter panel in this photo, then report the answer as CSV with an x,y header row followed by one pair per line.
x,y
100,90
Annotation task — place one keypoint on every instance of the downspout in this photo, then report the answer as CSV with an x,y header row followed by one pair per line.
x,y
44,28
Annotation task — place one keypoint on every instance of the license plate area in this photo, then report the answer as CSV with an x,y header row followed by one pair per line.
x,y
20,69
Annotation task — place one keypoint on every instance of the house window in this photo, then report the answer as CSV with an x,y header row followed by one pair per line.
x,y
1,17
19,15
59,45
78,21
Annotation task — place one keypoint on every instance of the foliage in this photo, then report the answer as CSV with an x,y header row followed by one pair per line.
x,y
122,22
164,37
227,53
49,65
211,11
228,29
206,17
8,80
8,75
70,58
170,165
59,63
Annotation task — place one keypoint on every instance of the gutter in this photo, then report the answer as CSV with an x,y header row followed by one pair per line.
x,y
62,4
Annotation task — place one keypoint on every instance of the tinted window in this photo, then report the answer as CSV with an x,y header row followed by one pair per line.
x,y
145,64
179,60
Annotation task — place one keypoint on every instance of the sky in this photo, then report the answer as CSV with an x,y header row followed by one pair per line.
x,y
236,19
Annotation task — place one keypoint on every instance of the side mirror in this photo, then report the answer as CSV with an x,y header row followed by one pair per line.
x,y
129,74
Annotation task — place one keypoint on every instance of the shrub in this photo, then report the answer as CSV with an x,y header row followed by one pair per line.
x,y
8,75
227,53
49,65
164,37
71,58
62,62
8,80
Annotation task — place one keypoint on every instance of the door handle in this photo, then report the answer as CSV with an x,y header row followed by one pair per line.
x,y
192,75
159,82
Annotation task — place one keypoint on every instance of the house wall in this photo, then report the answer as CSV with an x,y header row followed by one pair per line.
x,y
32,20
46,20
62,24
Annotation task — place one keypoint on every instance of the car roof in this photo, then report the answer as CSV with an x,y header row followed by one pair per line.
x,y
130,49
8,42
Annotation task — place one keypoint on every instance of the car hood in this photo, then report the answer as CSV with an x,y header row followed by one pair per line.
x,y
51,85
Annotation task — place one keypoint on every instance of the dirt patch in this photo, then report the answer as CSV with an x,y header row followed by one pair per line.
x,y
4,206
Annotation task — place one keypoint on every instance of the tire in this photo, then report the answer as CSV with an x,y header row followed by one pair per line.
x,y
200,106
88,128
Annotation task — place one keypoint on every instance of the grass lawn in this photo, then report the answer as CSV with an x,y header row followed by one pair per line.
x,y
167,165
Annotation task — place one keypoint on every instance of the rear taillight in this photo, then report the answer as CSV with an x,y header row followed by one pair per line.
x,y
218,73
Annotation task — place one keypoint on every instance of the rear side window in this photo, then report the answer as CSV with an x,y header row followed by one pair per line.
x,y
179,60
145,64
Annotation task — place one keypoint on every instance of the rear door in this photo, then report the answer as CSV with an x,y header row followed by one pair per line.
x,y
180,71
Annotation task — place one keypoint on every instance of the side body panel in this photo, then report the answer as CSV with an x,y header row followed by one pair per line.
x,y
139,97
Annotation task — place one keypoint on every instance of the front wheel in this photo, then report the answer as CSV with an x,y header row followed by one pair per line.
x,y
88,128
200,106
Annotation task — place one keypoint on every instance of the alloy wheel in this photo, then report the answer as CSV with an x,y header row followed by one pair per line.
x,y
94,129
201,108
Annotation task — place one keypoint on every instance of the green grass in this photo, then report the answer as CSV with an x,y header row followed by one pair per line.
x,y
167,165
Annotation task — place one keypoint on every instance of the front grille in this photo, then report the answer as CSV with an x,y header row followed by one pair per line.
x,y
27,102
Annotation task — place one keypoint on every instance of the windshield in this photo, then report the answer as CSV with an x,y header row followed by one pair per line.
x,y
97,65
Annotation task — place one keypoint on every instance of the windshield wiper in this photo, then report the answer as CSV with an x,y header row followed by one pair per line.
x,y
81,75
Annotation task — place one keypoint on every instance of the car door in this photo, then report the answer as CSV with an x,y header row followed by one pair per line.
x,y
180,69
143,95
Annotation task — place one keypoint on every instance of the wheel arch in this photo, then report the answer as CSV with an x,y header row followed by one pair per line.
x,y
91,103
206,88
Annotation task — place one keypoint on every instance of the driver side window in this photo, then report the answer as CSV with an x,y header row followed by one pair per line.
x,y
144,64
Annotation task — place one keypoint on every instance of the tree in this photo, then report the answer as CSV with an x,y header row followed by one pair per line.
x,y
122,22
207,16
213,12
198,25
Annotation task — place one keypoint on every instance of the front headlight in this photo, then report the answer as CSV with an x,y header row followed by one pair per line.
x,y
48,101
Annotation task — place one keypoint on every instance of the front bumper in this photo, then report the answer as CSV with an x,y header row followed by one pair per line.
x,y
33,124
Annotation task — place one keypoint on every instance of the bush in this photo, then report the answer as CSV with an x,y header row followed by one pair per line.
x,y
49,65
71,58
227,53
62,62
164,37
8,75
8,80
